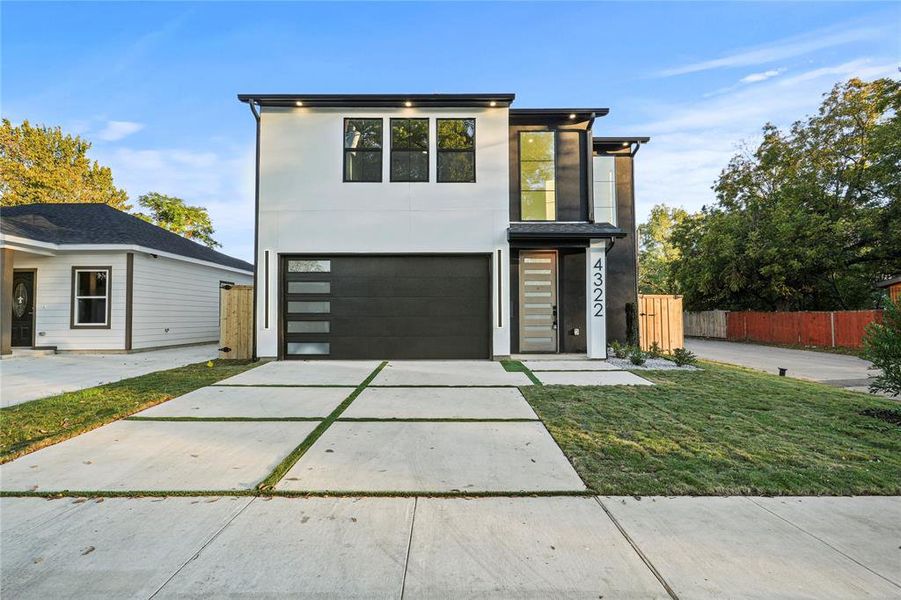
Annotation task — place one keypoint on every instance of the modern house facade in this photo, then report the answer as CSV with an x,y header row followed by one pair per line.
x,y
88,277
439,226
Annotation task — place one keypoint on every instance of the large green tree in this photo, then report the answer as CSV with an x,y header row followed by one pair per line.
x,y
810,219
44,165
657,254
192,222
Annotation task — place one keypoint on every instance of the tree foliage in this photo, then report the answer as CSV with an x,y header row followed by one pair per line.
x,y
656,252
43,165
168,212
810,219
882,345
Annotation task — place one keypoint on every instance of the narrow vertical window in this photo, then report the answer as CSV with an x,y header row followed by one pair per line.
x,y
604,189
363,149
537,176
90,297
456,150
409,150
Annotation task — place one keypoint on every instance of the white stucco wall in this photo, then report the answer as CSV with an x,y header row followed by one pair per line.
x,y
176,302
53,300
305,207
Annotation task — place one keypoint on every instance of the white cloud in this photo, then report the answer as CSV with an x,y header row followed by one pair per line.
x,y
780,50
117,130
758,77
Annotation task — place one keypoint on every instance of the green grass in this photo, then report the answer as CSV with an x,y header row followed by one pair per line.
x,y
33,425
724,430
514,366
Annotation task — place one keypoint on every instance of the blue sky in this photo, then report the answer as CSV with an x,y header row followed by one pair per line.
x,y
153,85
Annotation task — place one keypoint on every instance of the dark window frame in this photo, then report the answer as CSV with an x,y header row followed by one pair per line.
x,y
73,307
428,143
439,151
345,150
519,172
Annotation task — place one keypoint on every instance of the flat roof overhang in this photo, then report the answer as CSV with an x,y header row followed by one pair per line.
x,y
556,233
619,144
381,100
556,116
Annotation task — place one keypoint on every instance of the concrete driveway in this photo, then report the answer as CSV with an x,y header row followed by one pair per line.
x,y
25,378
834,369
414,480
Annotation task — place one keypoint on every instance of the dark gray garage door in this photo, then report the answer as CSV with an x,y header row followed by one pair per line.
x,y
376,306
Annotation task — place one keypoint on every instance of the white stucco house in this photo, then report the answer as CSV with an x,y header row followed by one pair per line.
x,y
88,277
439,226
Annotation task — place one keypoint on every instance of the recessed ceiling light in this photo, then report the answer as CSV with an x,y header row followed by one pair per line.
x,y
572,115
408,104
299,103
625,143
492,103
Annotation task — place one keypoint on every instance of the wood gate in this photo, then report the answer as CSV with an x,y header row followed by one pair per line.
x,y
660,320
236,321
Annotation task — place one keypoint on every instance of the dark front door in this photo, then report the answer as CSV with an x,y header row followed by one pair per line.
x,y
383,307
23,308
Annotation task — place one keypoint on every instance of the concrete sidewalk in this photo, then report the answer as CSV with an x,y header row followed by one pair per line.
x,y
556,547
26,378
834,369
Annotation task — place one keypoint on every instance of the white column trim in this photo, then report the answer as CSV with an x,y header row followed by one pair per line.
x,y
596,298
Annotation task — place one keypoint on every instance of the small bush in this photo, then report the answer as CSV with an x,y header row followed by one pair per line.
x,y
636,356
619,350
655,351
683,357
882,346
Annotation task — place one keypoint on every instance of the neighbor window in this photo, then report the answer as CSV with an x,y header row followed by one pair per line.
x,y
409,149
604,189
90,296
537,176
362,149
456,150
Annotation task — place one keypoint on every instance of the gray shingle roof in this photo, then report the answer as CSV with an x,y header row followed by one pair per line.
x,y
101,224
562,230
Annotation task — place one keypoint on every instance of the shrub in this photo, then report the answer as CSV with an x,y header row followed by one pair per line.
x,y
636,356
619,350
683,357
655,351
882,346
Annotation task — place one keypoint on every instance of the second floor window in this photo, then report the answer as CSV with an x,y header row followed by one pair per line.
x,y
362,149
604,189
409,149
456,150
537,176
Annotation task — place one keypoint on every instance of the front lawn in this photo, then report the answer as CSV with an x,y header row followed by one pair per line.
x,y
725,430
30,426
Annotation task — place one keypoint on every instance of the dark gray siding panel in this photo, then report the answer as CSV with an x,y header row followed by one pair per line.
x,y
572,298
622,260
398,306
572,194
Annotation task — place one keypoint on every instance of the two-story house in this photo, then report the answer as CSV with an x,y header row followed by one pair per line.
x,y
439,226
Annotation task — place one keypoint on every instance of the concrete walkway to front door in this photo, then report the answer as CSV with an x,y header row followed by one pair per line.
x,y
398,480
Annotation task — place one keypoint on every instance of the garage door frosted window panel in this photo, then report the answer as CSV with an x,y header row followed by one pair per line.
x,y
90,304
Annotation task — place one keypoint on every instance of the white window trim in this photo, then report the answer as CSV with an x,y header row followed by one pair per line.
x,y
75,297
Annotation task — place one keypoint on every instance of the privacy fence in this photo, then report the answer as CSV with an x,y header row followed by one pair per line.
x,y
836,329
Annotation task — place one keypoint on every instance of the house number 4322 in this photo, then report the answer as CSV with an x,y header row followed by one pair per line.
x,y
597,288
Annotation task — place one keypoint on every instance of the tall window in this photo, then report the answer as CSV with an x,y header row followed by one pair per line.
x,y
362,149
604,176
537,176
456,150
409,149
90,296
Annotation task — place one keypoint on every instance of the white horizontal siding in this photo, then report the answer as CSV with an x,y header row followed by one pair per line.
x,y
53,295
176,302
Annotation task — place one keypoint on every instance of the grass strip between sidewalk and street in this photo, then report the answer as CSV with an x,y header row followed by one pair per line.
x,y
515,366
289,461
724,430
33,425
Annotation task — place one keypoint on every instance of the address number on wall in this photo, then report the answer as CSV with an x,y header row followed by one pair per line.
x,y
597,288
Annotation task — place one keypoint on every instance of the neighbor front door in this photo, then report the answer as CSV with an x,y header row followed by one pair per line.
x,y
23,308
537,301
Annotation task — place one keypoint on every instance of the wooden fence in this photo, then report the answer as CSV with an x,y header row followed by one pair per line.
x,y
236,321
660,321
707,323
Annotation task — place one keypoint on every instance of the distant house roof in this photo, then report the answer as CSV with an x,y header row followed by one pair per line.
x,y
66,224
888,282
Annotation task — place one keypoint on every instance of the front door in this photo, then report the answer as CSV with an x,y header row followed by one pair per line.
x,y
23,308
537,301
